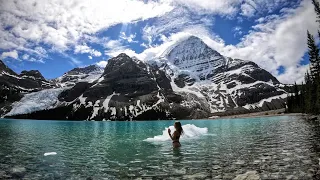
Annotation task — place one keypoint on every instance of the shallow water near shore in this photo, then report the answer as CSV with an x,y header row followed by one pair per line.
x,y
268,147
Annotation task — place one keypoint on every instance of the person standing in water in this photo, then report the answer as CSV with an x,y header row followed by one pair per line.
x,y
176,135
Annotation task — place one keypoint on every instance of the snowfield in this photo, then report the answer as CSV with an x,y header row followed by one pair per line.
x,y
45,99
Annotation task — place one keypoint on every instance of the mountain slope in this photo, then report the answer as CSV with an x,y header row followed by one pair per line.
x,y
191,80
26,81
128,89
228,85
13,85
84,74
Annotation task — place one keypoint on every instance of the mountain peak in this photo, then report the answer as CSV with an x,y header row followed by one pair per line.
x,y
194,39
194,55
4,67
86,70
32,73
191,48
122,55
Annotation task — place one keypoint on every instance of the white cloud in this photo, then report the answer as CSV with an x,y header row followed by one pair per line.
x,y
62,23
276,41
116,47
237,31
113,44
40,51
32,59
82,49
250,8
25,56
102,63
173,22
96,53
86,49
279,41
294,74
116,52
129,38
40,54
12,54
247,10
225,7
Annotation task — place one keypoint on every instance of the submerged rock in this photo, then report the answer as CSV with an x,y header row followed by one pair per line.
x,y
250,175
313,118
18,172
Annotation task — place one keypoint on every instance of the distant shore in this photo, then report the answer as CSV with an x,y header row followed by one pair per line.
x,y
278,112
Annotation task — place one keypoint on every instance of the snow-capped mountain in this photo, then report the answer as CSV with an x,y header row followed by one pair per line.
x,y
195,57
190,80
25,81
226,84
84,74
13,86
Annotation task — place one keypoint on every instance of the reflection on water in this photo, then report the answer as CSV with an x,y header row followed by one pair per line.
x,y
270,148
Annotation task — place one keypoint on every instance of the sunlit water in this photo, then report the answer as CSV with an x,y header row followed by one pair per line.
x,y
274,147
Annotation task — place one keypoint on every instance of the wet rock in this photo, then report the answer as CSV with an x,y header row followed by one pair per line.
x,y
2,174
250,175
18,172
240,162
197,175
216,167
256,161
313,118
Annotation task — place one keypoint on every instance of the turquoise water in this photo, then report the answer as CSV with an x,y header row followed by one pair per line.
x,y
273,147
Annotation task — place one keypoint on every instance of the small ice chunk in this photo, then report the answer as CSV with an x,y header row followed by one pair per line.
x,y
50,153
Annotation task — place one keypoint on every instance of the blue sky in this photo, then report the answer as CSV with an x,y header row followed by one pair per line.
x,y
55,36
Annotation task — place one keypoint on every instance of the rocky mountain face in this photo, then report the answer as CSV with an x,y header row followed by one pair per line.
x,y
13,86
85,74
229,86
190,80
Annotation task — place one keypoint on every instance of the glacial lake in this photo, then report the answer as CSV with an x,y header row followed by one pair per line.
x,y
284,147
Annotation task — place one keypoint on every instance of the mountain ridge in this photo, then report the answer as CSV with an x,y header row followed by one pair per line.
x,y
190,81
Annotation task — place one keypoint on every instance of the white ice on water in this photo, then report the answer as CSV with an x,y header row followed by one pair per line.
x,y
50,154
190,131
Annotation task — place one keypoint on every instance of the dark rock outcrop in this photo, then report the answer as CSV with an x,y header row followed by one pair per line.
x,y
84,74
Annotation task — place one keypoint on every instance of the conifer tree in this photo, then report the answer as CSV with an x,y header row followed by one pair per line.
x,y
313,57
296,98
302,98
316,5
308,93
308,98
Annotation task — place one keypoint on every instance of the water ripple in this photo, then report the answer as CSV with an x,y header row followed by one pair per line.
x,y
265,148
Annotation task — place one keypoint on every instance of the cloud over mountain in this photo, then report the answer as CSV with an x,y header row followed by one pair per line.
x,y
273,33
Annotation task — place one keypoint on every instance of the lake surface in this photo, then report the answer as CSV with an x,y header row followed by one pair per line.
x,y
269,148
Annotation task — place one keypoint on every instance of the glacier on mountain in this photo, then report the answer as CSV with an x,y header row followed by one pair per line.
x,y
36,101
